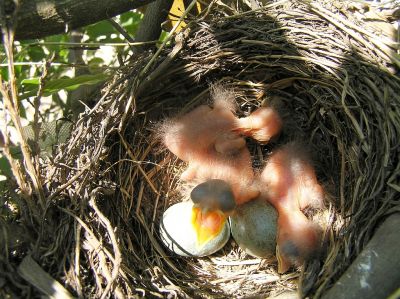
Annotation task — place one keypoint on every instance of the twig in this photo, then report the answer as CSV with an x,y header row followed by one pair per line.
x,y
381,47
40,63
162,67
92,235
71,44
133,157
155,211
121,30
73,179
251,12
77,232
167,39
14,163
40,279
348,112
155,244
378,41
110,230
12,105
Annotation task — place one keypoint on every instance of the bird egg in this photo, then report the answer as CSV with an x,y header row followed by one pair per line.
x,y
254,228
178,234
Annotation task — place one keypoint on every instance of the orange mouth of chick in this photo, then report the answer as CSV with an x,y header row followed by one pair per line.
x,y
207,225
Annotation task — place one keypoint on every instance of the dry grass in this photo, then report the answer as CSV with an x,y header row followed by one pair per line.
x,y
330,73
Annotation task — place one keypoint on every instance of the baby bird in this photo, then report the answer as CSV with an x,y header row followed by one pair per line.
x,y
261,125
213,202
291,185
207,140
211,141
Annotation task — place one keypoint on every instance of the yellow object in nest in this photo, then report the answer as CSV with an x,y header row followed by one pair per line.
x,y
178,7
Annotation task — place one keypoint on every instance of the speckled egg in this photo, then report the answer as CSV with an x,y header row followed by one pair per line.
x,y
179,235
254,228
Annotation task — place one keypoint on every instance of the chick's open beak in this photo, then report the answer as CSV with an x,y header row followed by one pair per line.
x,y
207,224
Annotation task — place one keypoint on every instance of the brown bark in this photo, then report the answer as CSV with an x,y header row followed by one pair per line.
x,y
40,18
150,27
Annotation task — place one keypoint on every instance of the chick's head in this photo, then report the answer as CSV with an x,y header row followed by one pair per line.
x,y
298,240
213,201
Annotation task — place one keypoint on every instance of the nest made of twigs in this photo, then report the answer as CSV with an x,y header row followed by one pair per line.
x,y
110,183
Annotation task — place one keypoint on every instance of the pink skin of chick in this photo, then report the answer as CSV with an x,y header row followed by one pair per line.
x,y
211,141
291,185
205,138
262,125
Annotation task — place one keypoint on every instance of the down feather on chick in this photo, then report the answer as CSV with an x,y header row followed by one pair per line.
x,y
290,186
206,140
211,141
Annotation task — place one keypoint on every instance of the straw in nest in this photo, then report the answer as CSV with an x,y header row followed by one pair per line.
x,y
109,184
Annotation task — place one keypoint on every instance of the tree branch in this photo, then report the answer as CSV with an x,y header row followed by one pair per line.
x,y
150,27
40,18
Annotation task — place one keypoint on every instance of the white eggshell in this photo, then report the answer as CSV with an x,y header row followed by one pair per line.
x,y
254,226
178,234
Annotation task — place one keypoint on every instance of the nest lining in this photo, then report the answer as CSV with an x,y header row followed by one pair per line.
x,y
110,183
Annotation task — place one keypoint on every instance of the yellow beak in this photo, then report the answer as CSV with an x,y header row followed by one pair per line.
x,y
207,224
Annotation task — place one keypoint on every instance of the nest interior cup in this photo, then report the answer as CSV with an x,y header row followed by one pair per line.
x,y
330,74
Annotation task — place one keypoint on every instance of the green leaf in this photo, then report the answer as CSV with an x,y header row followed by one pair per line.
x,y
55,85
60,38
63,55
99,31
22,111
5,168
4,73
163,35
32,81
36,53
95,65
130,21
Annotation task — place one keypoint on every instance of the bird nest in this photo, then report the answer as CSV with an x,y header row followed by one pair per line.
x,y
109,184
